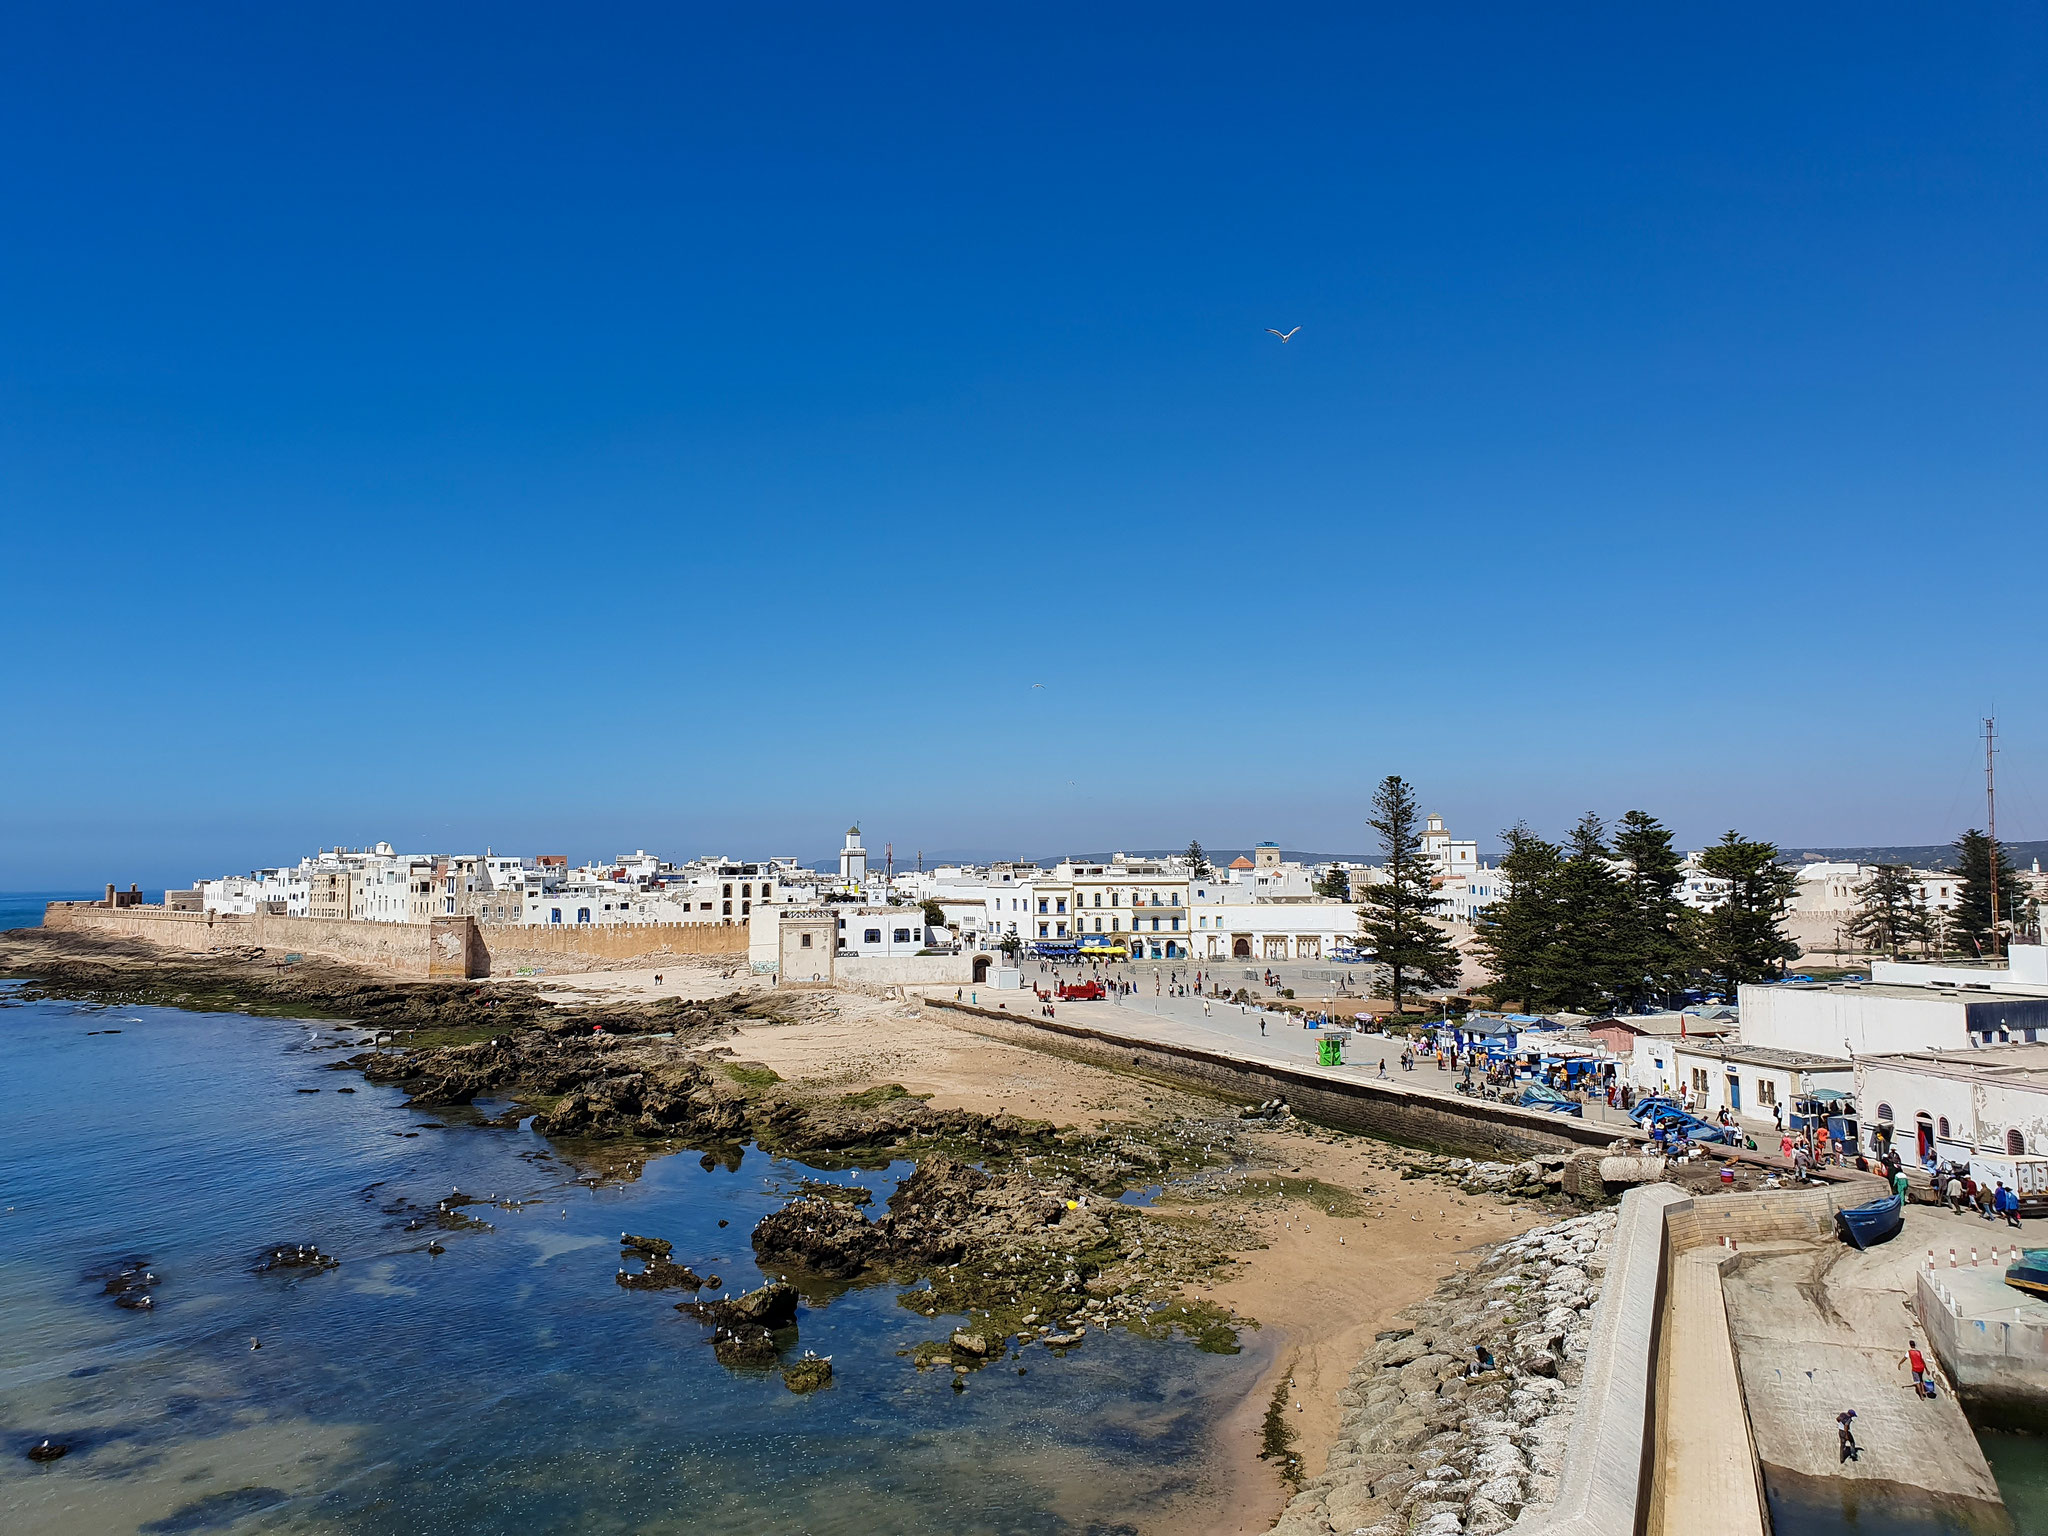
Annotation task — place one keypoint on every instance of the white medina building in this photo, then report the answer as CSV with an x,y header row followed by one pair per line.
x,y
1988,1108
1906,1007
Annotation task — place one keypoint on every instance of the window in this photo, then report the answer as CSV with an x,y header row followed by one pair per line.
x,y
746,907
1176,924
728,892
2015,1144
1767,1091
746,890
1699,1082
902,936
555,916
728,907
1098,898
703,906
803,941
1941,1127
1062,931
1060,905
766,890
583,914
1041,930
1155,925
872,936
1114,896
1115,923
1098,925
1041,905
1884,1113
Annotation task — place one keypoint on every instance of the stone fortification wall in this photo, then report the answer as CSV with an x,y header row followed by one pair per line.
x,y
1385,1109
568,946
407,948
448,947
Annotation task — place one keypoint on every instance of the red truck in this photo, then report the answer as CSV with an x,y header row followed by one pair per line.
x,y
1086,992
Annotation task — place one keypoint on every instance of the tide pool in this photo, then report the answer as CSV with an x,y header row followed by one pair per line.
x,y
505,1384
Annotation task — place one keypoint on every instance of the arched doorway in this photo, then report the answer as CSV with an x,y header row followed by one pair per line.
x,y
980,968
1240,949
1923,1128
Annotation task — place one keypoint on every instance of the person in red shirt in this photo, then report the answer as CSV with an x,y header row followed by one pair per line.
x,y
1918,1362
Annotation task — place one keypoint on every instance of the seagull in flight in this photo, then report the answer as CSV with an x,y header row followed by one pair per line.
x,y
1285,336
1038,685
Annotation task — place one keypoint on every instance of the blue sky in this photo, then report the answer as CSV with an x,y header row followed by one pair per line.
x,y
695,430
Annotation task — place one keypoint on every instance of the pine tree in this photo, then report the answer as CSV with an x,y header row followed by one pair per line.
x,y
1394,919
1659,948
1198,861
1742,938
1888,914
1970,923
1592,909
1334,884
1518,933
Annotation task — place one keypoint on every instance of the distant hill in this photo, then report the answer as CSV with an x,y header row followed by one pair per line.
x,y
1920,856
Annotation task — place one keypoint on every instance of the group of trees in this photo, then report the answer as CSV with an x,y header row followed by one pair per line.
x,y
1892,911
1595,924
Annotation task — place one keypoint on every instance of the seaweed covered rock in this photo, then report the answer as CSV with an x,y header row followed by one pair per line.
x,y
825,1237
807,1374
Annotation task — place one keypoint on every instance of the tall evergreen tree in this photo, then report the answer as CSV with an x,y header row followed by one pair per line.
x,y
1333,884
1198,860
1658,950
1394,919
1592,912
1743,937
1888,913
1970,924
1518,933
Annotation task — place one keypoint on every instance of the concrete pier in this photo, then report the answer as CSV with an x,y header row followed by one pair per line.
x,y
1992,1340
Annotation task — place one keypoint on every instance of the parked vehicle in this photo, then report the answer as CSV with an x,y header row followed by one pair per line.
x,y
1080,992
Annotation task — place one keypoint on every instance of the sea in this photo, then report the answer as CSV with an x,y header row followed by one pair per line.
x,y
506,1383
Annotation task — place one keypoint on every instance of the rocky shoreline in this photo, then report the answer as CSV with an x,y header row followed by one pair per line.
x,y
1456,1425
1014,1223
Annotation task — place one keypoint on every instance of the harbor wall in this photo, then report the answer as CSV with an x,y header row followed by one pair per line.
x,y
1388,1109
1992,1341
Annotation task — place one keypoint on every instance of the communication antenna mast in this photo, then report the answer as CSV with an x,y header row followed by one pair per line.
x,y
1991,816
889,871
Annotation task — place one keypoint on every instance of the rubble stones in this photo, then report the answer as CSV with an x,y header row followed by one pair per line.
x,y
1434,1444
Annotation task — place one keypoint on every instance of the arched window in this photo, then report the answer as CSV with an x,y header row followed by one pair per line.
x,y
2015,1144
1884,1113
1941,1129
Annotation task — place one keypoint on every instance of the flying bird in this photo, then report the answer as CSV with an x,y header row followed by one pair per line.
x,y
1285,336
1038,685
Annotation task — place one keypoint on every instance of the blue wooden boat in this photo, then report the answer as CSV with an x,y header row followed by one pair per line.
x,y
1863,1225
2029,1272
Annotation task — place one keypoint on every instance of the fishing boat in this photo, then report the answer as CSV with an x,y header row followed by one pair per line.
x,y
2029,1272
1863,1225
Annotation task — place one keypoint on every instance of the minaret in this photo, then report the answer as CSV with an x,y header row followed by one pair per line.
x,y
853,859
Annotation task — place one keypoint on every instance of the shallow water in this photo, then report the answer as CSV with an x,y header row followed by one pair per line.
x,y
507,1384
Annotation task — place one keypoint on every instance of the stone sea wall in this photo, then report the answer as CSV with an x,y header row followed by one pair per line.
x,y
1388,1109
450,947
1436,1443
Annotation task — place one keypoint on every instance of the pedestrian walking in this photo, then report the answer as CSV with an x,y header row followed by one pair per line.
x,y
2009,1204
1918,1362
1954,1192
1383,1066
1899,1185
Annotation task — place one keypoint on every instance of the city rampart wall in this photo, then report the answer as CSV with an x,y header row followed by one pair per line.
x,y
446,948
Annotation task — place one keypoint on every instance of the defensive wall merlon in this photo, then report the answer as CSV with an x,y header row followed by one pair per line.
x,y
446,947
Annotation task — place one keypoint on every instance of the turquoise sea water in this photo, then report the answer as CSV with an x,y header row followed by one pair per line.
x,y
505,1385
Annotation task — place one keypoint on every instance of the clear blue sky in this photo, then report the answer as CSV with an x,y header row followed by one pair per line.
x,y
578,430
